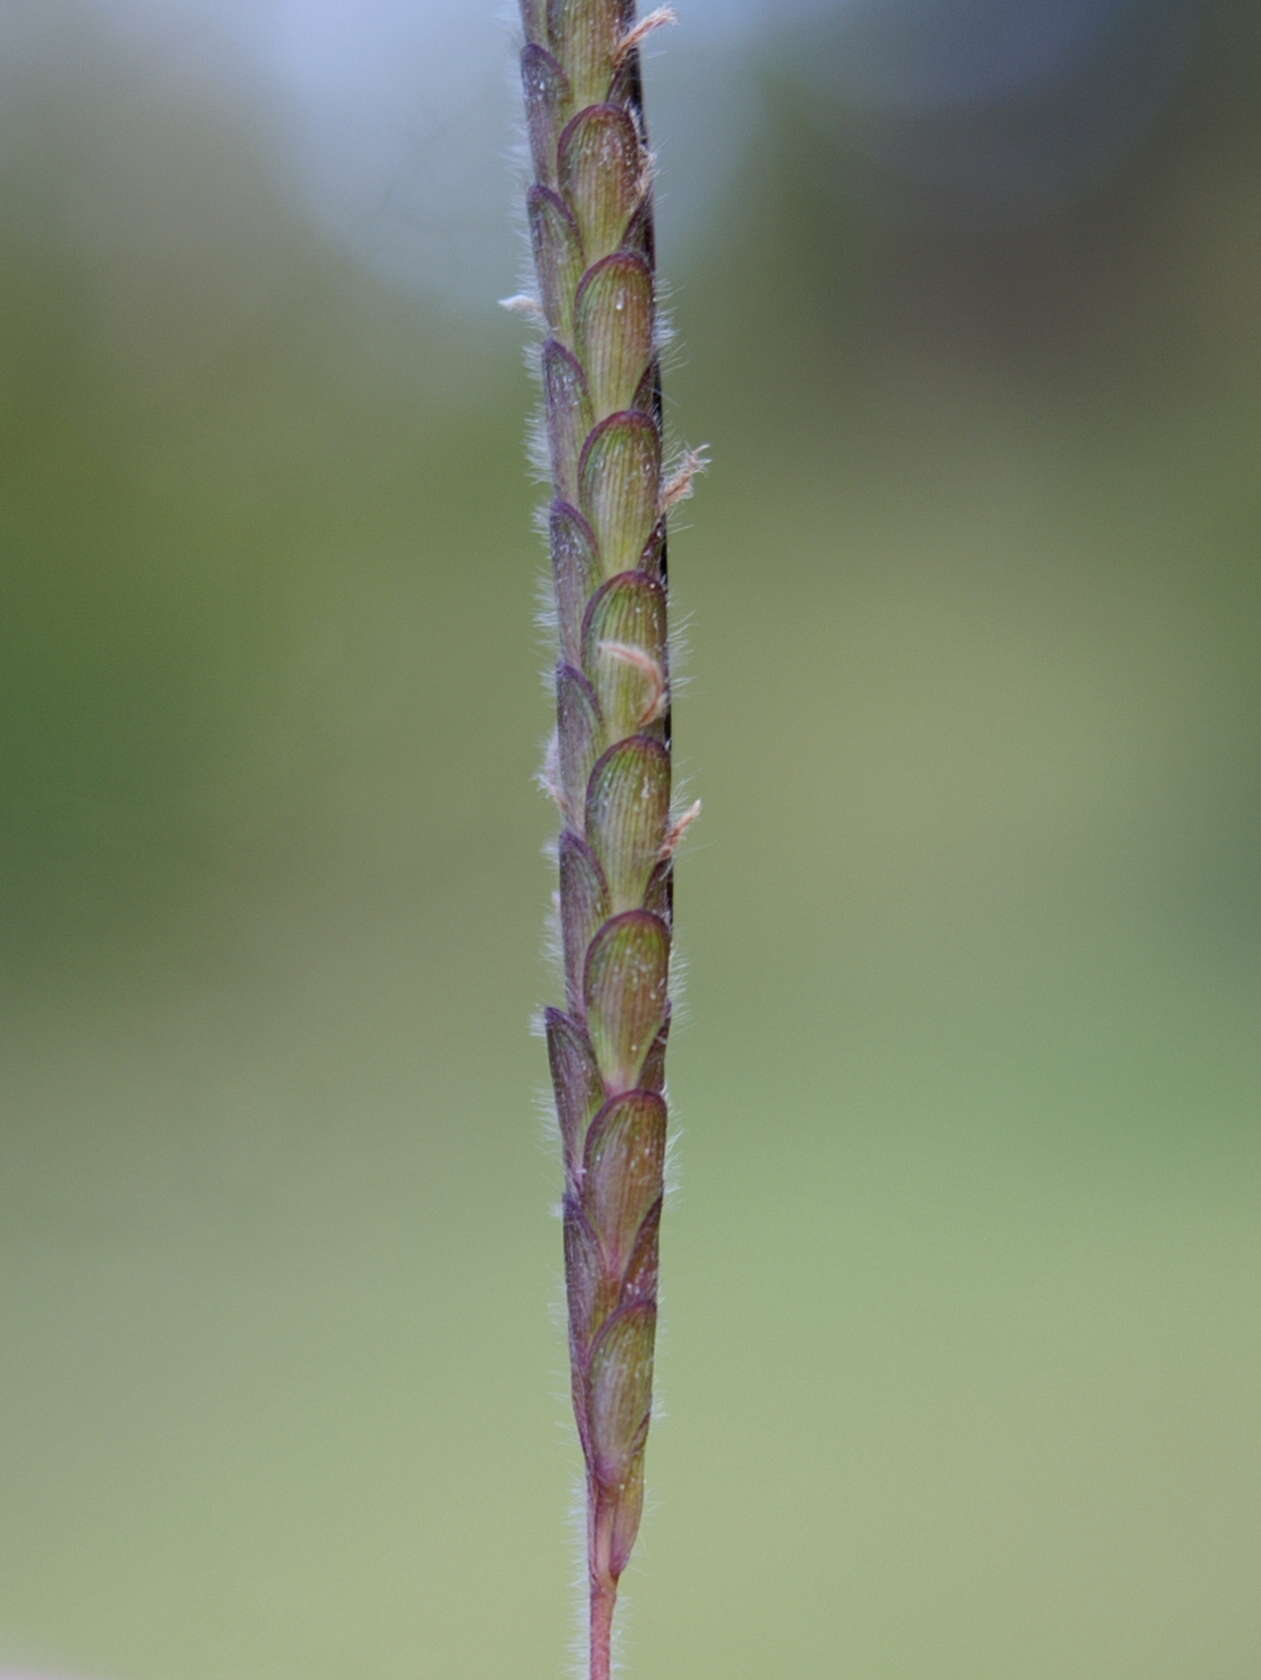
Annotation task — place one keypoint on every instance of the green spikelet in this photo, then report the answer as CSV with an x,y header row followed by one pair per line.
x,y
590,219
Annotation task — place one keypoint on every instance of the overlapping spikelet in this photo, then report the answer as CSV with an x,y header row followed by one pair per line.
x,y
590,219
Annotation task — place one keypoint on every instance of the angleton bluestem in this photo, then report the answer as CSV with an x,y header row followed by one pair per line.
x,y
589,210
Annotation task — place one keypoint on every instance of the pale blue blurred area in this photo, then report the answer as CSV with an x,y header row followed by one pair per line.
x,y
395,117
1000,109
962,1278
391,111
924,53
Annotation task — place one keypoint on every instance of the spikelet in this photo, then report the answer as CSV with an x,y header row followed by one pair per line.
x,y
589,213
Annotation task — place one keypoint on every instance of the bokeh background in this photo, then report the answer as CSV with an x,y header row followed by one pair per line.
x,y
961,1364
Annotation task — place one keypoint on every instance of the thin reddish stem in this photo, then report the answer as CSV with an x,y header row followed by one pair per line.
x,y
603,1581
603,1601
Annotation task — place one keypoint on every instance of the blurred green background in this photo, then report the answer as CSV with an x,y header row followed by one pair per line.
x,y
961,1364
